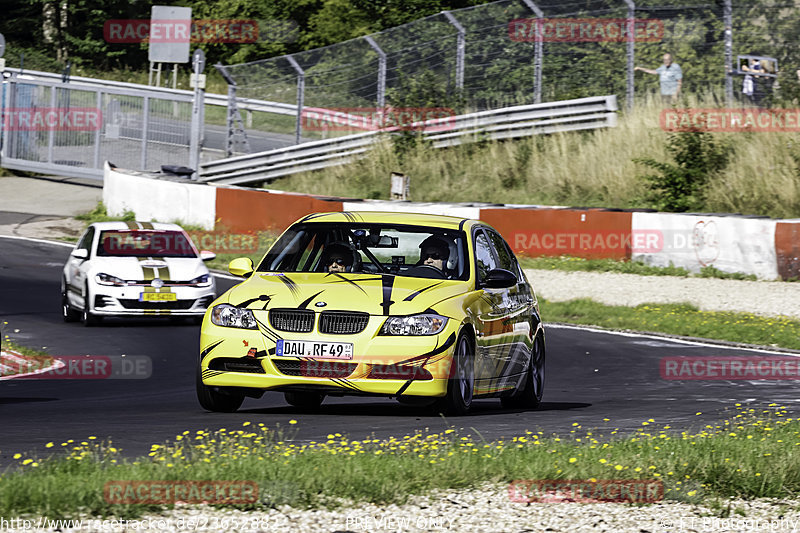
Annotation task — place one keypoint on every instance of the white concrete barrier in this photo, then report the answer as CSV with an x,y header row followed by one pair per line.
x,y
159,198
728,243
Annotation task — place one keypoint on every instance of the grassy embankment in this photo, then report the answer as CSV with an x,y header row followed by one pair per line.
x,y
592,169
753,454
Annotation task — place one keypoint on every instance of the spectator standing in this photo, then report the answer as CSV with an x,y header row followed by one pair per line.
x,y
671,78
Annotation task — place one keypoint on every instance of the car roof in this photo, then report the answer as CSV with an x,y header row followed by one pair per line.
x,y
133,225
390,217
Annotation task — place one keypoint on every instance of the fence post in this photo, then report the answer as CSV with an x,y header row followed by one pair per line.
x,y
460,46
630,52
381,71
51,133
145,127
301,94
99,105
538,52
728,16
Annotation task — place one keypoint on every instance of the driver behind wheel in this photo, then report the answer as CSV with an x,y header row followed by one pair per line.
x,y
434,252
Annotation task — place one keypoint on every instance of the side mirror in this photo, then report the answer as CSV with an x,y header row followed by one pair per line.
x,y
79,253
499,278
241,266
205,255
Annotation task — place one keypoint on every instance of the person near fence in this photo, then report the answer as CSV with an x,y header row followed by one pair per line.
x,y
752,85
671,78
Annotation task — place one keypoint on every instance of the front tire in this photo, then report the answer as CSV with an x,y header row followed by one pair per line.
x,y
530,396
87,317
67,312
461,383
307,401
217,402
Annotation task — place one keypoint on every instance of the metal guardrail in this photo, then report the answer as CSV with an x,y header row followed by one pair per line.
x,y
505,123
248,104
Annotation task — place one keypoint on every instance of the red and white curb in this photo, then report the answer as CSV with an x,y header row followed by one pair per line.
x,y
11,362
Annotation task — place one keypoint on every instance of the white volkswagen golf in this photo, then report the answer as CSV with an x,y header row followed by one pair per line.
x,y
135,269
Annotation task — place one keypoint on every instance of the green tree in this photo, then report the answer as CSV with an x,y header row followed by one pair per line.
x,y
678,187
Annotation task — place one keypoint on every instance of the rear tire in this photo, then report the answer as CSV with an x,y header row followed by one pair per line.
x,y
530,396
461,383
307,401
215,401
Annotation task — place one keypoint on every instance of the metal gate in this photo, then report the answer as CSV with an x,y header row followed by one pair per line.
x,y
70,129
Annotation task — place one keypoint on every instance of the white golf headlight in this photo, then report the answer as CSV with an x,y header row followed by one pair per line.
x,y
108,279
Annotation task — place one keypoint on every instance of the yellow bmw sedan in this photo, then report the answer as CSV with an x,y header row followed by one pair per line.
x,y
426,309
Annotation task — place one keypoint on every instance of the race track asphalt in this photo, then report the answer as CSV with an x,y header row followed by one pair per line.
x,y
590,376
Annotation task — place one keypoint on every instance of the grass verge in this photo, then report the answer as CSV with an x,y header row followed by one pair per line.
x,y
574,264
678,319
753,454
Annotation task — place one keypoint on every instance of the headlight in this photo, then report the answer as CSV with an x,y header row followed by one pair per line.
x,y
107,279
201,281
233,317
414,325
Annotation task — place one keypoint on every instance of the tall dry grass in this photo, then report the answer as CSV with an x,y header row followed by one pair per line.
x,y
593,169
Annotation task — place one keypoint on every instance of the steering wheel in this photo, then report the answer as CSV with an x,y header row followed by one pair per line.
x,y
425,271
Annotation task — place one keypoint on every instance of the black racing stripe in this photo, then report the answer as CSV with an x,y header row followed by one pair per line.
x,y
261,298
345,383
417,293
387,282
312,216
351,217
295,290
267,332
436,351
132,225
402,389
207,373
147,225
354,283
209,348
309,300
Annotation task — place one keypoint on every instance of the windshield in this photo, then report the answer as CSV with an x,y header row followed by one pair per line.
x,y
144,243
414,251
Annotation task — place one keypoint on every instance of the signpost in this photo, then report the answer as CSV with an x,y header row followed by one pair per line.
x,y
198,82
169,39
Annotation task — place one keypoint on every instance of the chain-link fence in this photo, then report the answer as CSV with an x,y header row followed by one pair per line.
x,y
478,58
69,129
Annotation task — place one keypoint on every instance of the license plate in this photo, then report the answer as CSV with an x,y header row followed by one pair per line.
x,y
328,350
158,297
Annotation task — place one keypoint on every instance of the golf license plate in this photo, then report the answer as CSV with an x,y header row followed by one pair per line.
x,y
328,350
158,297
